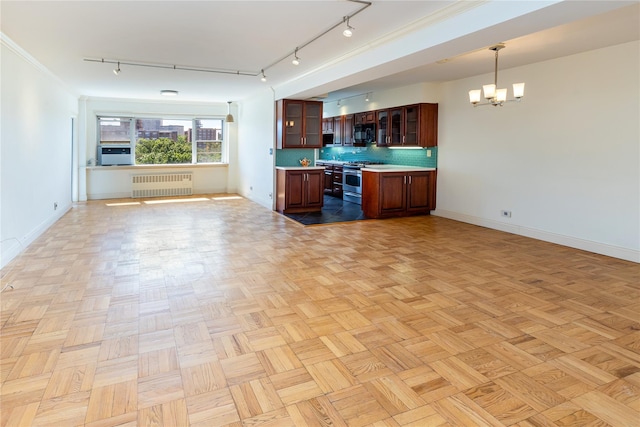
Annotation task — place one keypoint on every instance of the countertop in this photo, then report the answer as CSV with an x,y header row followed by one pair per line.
x,y
332,162
299,168
396,168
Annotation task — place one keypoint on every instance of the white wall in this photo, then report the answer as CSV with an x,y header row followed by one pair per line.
x,y
35,150
256,149
406,95
114,182
565,160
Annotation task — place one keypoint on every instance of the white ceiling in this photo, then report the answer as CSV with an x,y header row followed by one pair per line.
x,y
247,36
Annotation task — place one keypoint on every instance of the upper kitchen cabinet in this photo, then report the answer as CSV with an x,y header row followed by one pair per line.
x,y
364,118
298,124
408,126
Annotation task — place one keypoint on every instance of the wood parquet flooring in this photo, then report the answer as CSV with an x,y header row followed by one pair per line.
x,y
214,311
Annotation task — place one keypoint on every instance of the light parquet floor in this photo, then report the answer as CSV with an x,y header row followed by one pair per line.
x,y
218,312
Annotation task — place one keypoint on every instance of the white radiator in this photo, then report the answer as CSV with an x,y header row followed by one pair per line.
x,y
162,184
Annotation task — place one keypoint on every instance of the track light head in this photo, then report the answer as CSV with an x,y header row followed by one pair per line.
x,y
296,60
116,71
263,78
348,32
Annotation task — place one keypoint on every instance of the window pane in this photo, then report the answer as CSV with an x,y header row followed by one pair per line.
x,y
209,140
114,130
162,141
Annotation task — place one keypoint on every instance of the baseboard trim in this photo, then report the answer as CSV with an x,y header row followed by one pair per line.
x,y
21,243
560,239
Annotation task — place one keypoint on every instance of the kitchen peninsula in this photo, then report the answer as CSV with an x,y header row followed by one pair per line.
x,y
395,190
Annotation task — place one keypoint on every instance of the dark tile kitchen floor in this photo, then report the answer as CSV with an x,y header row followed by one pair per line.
x,y
334,210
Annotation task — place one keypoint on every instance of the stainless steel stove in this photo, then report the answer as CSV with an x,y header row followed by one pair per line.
x,y
352,180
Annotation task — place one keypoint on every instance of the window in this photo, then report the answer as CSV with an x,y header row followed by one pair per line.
x,y
165,141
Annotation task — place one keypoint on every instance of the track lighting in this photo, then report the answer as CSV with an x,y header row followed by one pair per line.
x,y
229,118
348,32
366,98
296,60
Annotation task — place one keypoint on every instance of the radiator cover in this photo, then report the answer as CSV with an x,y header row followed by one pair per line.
x,y
162,184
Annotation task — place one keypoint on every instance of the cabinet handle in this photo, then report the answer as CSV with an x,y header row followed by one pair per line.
x,y
409,179
405,179
403,139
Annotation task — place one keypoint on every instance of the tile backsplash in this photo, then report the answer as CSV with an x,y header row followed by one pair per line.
x,y
382,154
292,157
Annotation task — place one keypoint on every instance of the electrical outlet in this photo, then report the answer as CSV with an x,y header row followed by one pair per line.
x,y
271,195
428,153
55,205
505,214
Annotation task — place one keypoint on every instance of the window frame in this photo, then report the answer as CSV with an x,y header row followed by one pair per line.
x,y
132,143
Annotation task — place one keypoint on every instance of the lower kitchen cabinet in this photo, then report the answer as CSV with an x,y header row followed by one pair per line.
x,y
332,179
299,190
389,194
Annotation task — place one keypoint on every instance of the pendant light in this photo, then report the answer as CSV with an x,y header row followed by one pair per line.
x,y
493,95
229,118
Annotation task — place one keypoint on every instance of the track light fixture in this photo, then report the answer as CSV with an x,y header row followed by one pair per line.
x,y
366,98
296,60
229,118
348,32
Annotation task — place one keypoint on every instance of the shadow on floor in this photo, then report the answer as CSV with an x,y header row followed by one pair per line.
x,y
334,210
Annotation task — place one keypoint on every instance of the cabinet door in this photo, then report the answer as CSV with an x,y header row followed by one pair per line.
x,y
411,125
396,126
347,129
293,123
295,189
383,127
393,194
314,188
418,192
337,130
327,125
312,127
328,179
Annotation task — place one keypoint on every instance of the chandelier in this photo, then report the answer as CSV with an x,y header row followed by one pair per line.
x,y
493,95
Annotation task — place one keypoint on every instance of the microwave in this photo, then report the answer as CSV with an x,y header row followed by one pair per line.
x,y
327,139
364,133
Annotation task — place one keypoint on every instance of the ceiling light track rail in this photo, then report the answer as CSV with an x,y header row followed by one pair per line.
x,y
261,73
365,4
172,67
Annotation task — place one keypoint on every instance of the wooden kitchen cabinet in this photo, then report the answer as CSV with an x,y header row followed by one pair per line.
x,y
389,123
336,189
332,178
298,124
408,126
342,130
364,117
389,194
347,129
299,190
